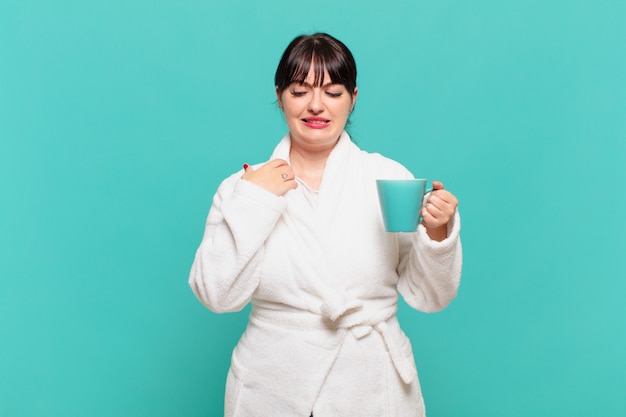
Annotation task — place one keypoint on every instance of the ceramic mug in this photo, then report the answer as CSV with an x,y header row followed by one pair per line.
x,y
401,203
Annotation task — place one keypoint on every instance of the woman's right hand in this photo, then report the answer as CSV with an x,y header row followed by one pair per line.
x,y
276,176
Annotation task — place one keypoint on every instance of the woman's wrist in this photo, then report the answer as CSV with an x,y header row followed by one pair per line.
x,y
437,233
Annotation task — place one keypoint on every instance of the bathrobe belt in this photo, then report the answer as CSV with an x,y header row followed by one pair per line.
x,y
384,322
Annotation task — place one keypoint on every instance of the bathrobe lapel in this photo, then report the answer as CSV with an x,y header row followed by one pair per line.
x,y
314,228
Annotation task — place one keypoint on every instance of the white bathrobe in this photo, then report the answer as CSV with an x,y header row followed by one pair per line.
x,y
323,277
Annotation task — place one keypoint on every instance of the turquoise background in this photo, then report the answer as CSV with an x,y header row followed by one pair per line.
x,y
118,119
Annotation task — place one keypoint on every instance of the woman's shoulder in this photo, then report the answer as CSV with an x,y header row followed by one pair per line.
x,y
231,179
378,163
383,166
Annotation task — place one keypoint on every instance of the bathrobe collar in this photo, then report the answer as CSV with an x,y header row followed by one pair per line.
x,y
334,177
339,152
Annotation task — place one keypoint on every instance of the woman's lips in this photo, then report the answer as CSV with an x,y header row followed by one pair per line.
x,y
316,122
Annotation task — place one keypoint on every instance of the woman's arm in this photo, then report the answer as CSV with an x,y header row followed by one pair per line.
x,y
429,270
225,271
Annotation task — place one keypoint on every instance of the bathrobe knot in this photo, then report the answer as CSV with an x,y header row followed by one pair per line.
x,y
333,311
354,321
386,324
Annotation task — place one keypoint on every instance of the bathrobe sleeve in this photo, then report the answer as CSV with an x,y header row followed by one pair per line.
x,y
430,271
226,269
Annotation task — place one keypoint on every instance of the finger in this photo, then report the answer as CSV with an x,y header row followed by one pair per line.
x,y
292,184
246,169
428,219
433,210
432,220
275,163
286,173
437,198
287,186
437,185
441,196
440,207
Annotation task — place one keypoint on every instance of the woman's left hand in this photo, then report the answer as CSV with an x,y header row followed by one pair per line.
x,y
439,208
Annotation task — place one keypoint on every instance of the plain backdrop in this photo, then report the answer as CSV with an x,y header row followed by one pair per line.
x,y
119,118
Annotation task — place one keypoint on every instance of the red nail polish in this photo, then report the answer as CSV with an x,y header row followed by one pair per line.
x,y
245,166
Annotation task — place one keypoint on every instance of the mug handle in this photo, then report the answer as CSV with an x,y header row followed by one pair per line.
x,y
420,220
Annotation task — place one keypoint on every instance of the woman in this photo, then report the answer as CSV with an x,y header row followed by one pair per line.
x,y
301,237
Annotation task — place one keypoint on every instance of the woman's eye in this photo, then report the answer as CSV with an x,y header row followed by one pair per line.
x,y
298,93
333,94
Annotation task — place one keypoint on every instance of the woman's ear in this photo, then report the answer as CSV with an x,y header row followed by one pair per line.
x,y
280,102
354,96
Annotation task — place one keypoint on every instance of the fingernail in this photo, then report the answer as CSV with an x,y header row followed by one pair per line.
x,y
245,166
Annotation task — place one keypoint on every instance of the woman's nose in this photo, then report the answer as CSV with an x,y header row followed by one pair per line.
x,y
315,104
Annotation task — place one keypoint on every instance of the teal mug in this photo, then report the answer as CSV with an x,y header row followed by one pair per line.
x,y
401,203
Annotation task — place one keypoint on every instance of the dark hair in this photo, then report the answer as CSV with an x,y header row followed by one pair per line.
x,y
325,52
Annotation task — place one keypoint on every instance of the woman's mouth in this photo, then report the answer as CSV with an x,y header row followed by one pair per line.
x,y
316,122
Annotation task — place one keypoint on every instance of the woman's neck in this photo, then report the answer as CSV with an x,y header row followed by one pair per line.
x,y
309,166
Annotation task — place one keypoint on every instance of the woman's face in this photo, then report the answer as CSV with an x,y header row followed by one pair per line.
x,y
316,116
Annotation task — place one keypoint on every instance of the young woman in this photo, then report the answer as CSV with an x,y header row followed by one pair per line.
x,y
301,238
